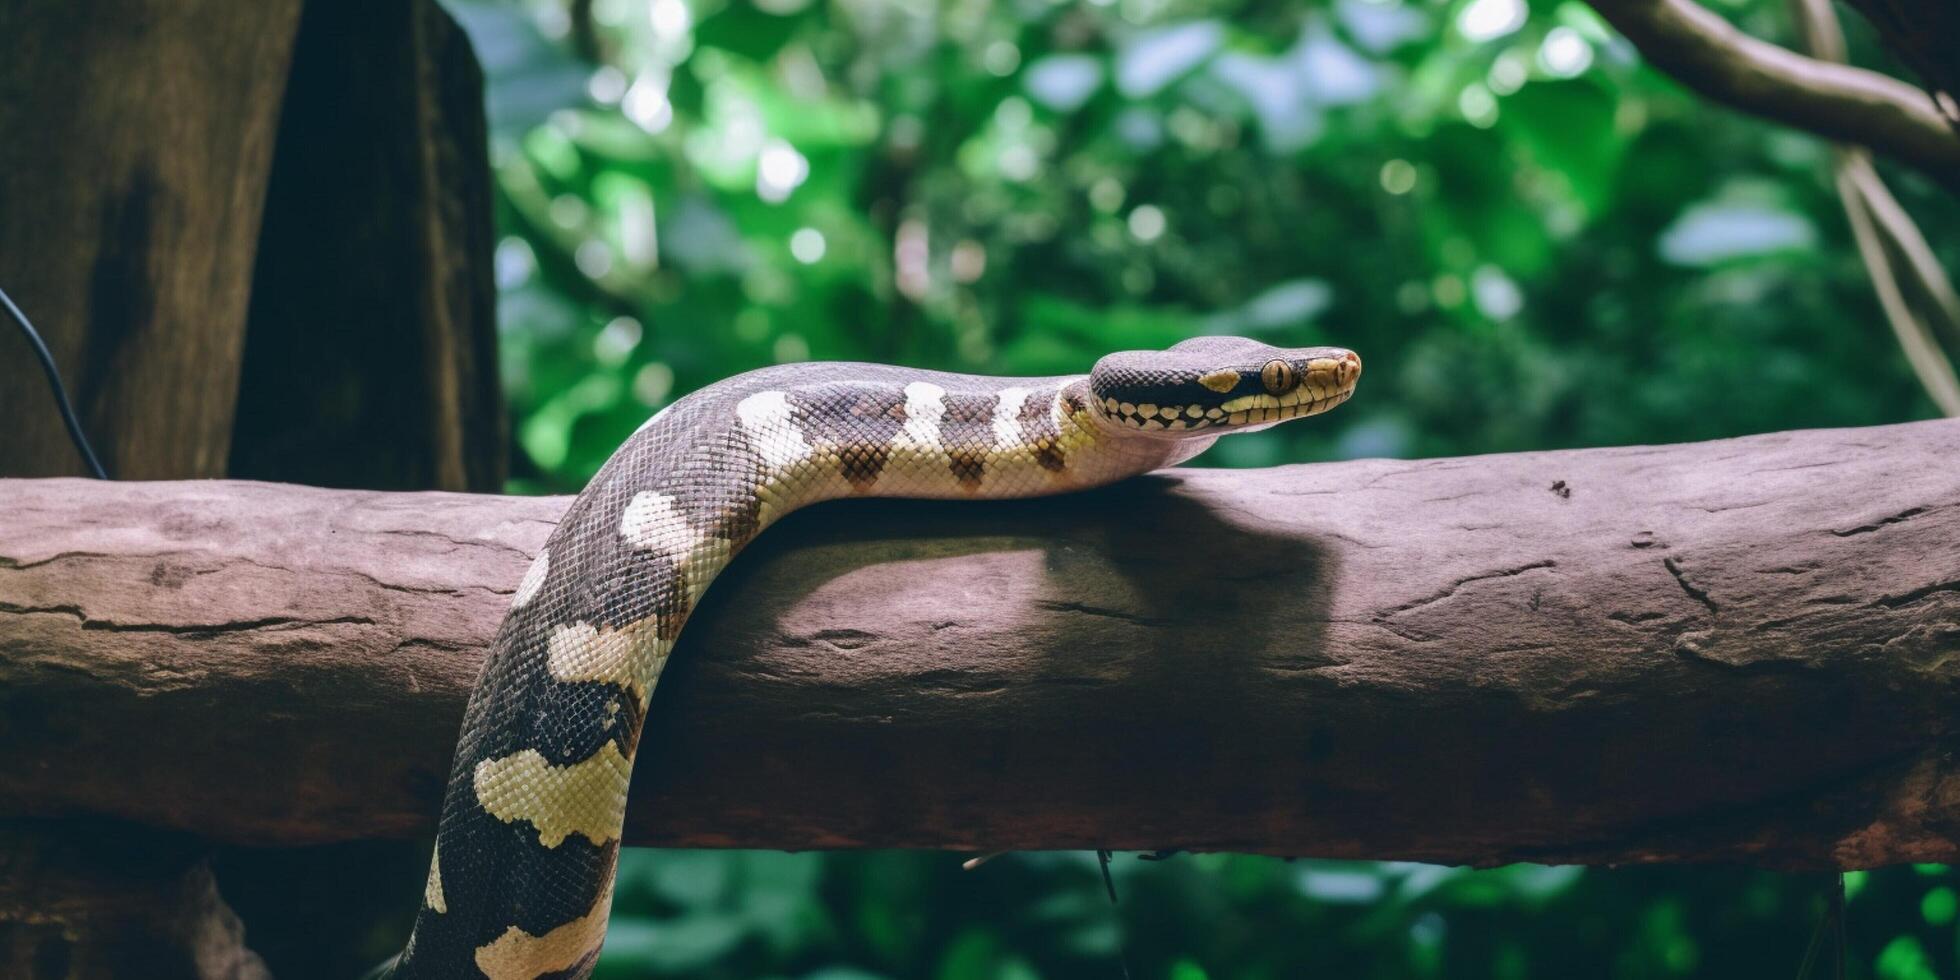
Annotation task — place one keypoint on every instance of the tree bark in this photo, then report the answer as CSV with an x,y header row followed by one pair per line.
x,y
145,218
135,141
371,354
258,242
1743,650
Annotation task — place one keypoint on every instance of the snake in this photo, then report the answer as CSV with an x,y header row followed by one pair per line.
x,y
520,885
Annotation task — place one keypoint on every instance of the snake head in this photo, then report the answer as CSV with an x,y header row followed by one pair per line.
x,y
1217,385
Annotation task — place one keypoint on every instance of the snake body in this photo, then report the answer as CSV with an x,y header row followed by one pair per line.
x,y
520,885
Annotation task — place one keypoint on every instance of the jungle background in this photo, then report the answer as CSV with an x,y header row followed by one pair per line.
x,y
1534,241
258,237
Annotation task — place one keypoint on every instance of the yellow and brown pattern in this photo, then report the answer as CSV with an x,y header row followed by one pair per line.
x,y
521,881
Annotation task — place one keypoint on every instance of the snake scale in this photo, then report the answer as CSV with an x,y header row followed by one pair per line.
x,y
520,885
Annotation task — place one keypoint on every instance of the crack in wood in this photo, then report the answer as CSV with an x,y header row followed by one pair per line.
x,y
1453,587
1898,518
189,630
1091,610
1908,598
1698,595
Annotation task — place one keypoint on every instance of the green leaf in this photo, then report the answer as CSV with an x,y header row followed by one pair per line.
x,y
743,29
1939,906
1904,959
1566,129
669,946
1717,233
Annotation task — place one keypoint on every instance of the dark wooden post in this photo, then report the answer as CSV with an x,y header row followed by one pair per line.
x,y
135,141
257,238
370,359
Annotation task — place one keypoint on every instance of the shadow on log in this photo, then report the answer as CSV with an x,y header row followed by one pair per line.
x,y
1739,651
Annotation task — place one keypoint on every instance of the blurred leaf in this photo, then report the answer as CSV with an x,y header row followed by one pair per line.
x,y
1063,82
975,954
671,946
1939,906
1128,328
1151,60
1714,233
1567,129
741,28
1285,306
1904,959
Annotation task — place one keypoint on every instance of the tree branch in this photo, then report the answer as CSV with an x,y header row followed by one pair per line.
x,y
1743,651
1852,105
1889,243
1922,33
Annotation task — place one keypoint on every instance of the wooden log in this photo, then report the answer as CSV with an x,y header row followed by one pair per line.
x,y
1743,650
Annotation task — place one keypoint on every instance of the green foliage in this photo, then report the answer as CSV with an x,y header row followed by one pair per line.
x,y
899,914
1533,241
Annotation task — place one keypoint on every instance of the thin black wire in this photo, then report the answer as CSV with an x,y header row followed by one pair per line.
x,y
1831,924
1122,959
1809,964
1838,914
68,418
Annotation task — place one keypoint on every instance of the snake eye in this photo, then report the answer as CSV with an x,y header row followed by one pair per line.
x,y
1277,376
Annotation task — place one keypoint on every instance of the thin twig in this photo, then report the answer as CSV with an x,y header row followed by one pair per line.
x,y
1904,234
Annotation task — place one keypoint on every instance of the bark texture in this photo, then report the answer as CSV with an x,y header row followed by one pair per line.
x,y
370,356
135,141
257,240
1746,650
